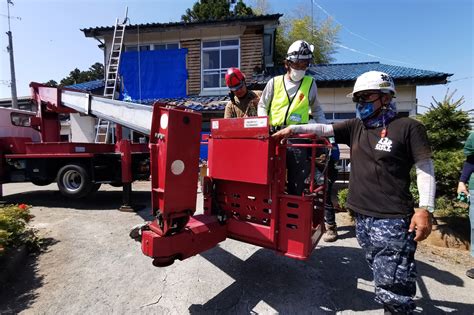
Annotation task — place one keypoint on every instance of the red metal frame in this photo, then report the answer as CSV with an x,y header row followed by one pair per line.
x,y
244,193
174,165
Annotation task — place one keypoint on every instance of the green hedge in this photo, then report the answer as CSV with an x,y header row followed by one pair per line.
x,y
14,229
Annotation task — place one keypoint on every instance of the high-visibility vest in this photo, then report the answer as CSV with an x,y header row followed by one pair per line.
x,y
281,112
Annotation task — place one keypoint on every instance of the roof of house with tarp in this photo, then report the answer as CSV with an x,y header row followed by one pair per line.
x,y
326,76
99,31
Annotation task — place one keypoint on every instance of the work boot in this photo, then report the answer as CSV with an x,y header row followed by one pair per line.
x,y
331,233
470,273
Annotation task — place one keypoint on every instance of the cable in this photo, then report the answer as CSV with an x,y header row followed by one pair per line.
x,y
139,65
348,30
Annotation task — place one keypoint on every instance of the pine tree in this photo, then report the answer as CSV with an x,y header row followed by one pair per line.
x,y
204,10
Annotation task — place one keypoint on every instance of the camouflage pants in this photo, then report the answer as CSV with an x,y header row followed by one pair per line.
x,y
390,252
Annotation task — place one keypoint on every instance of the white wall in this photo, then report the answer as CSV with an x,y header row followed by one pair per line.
x,y
334,100
82,128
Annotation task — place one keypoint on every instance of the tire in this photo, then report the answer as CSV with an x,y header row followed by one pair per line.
x,y
74,181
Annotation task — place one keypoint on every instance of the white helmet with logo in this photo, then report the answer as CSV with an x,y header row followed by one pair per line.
x,y
374,80
300,50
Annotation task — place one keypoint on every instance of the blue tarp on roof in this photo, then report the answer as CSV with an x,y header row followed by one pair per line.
x,y
154,74
87,86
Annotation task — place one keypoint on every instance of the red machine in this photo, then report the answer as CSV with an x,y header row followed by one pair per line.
x,y
31,149
244,194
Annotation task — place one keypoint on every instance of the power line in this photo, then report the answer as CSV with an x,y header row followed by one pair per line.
x,y
368,54
348,30
361,37
460,79
11,17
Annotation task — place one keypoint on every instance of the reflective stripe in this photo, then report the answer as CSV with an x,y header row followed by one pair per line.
x,y
280,111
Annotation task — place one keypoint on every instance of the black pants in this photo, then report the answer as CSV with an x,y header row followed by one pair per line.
x,y
298,165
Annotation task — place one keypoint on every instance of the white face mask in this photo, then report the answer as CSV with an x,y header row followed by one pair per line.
x,y
297,75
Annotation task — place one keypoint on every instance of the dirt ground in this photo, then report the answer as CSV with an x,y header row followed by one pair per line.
x,y
90,266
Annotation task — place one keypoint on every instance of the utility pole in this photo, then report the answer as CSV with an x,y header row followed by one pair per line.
x,y
12,61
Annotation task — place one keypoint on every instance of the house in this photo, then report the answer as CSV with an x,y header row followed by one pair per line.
x,y
248,43
212,46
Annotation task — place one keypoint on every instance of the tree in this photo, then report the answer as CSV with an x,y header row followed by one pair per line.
x,y
51,83
95,72
322,36
260,7
215,10
447,127
241,9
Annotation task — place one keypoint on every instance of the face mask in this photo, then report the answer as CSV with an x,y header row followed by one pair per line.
x,y
297,75
364,110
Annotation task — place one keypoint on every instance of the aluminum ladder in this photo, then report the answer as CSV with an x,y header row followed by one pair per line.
x,y
103,127
102,131
111,77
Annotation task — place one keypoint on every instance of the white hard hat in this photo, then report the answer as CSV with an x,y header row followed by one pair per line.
x,y
374,80
300,50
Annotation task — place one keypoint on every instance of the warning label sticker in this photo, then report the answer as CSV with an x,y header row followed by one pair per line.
x,y
215,125
255,123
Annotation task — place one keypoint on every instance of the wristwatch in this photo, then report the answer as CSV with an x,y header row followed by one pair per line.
x,y
429,208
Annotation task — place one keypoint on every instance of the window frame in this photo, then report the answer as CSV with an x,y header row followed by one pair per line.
x,y
151,46
221,70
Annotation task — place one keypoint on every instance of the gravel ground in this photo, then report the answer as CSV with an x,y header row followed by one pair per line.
x,y
91,266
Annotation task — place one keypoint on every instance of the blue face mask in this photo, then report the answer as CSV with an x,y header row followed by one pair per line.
x,y
364,110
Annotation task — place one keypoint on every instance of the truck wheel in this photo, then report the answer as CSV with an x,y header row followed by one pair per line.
x,y
74,181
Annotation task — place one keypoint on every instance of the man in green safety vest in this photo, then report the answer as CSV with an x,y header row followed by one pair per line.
x,y
288,100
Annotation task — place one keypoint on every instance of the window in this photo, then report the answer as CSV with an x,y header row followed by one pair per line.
x,y
152,47
217,57
134,48
166,46
339,116
20,119
268,45
344,115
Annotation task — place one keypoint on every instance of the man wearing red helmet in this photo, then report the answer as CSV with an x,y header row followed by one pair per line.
x,y
243,102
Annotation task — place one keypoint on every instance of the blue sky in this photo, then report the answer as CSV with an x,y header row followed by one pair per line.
x,y
426,34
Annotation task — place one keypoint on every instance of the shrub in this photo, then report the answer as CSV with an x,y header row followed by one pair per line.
x,y
14,231
448,165
446,207
342,197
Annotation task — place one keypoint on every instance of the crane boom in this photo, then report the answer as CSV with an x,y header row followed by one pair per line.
x,y
131,115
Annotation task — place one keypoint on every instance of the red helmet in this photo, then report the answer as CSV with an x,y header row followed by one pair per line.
x,y
234,79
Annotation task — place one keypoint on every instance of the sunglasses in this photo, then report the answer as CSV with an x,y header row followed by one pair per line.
x,y
299,65
236,87
366,97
